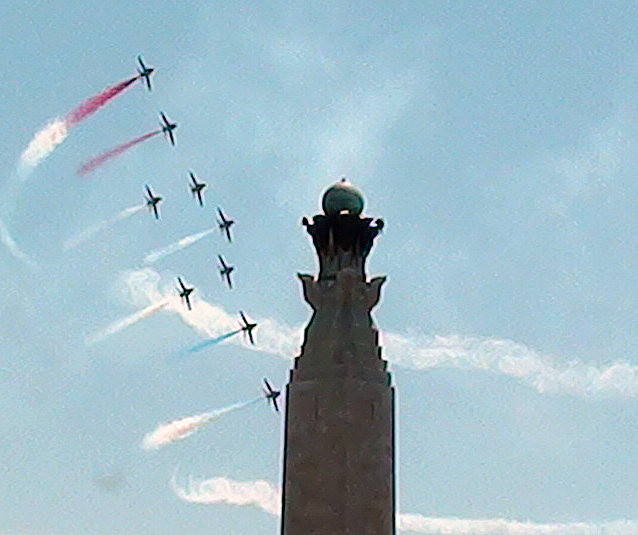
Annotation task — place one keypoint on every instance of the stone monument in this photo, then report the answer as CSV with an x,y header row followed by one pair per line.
x,y
339,437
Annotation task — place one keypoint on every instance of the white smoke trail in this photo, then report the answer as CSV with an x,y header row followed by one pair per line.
x,y
91,231
120,324
223,490
159,254
184,427
211,321
15,251
500,526
42,144
544,373
267,497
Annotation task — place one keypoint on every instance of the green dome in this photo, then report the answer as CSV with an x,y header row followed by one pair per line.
x,y
342,196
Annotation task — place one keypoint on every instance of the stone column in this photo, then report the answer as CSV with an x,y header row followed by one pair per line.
x,y
339,442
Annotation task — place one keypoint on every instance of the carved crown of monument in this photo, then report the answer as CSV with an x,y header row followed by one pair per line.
x,y
340,339
342,237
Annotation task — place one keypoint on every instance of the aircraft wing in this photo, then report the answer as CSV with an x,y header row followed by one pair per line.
x,y
268,386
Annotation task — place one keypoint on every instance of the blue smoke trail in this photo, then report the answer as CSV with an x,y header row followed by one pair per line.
x,y
208,343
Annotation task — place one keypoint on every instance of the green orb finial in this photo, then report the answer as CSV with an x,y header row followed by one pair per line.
x,y
342,197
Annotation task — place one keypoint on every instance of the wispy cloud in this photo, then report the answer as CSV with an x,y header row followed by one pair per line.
x,y
348,141
267,497
351,138
544,373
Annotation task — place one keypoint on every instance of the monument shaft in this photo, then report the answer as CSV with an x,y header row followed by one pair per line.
x,y
339,441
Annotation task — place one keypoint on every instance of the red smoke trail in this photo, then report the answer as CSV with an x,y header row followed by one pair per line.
x,y
92,104
94,163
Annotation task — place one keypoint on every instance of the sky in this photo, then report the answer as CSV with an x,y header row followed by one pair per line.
x,y
496,140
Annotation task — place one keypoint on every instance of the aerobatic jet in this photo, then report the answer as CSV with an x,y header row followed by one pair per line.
x,y
152,201
145,72
225,224
168,127
271,395
247,327
225,270
196,188
184,292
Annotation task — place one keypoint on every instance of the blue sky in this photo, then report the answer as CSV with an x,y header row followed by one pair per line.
x,y
497,141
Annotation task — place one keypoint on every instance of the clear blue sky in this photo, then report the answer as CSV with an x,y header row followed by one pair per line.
x,y
497,141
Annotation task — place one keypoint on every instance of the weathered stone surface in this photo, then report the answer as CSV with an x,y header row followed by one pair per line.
x,y
339,442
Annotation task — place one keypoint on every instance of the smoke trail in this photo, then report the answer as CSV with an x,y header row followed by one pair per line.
x,y
223,490
91,231
118,325
42,144
544,373
211,342
92,104
54,133
501,526
184,427
15,251
143,287
267,497
159,254
94,163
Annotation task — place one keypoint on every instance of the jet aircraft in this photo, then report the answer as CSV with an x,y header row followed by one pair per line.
x,y
168,127
247,327
224,224
196,188
152,201
271,395
145,72
184,292
225,270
